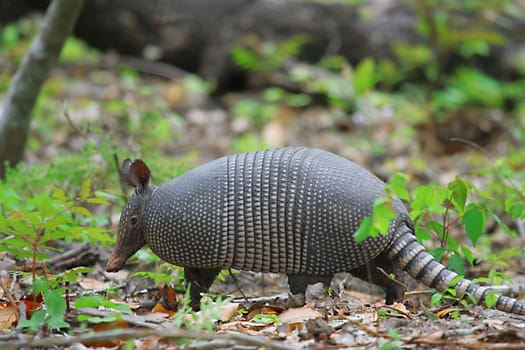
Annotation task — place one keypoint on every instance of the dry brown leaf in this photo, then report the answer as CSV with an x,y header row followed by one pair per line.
x,y
229,311
8,317
444,312
299,314
88,283
264,310
147,343
160,308
107,326
173,94
167,297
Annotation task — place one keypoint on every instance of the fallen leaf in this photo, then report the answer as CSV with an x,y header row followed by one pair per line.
x,y
160,308
88,283
8,317
444,312
299,314
264,310
107,326
229,311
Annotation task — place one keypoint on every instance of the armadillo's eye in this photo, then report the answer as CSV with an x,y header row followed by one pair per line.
x,y
133,220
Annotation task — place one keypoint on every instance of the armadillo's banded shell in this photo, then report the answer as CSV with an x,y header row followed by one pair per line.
x,y
289,210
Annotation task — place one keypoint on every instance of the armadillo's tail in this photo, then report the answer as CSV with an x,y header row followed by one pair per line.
x,y
406,253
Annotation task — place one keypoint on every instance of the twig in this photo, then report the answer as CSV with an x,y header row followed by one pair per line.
x,y
160,69
463,332
69,254
237,285
120,176
141,333
68,118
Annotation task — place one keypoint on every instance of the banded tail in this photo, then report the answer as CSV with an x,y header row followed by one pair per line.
x,y
406,253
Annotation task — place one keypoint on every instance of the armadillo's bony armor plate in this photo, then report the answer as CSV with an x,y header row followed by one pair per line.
x,y
290,210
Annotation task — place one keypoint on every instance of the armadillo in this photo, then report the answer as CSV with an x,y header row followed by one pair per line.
x,y
289,210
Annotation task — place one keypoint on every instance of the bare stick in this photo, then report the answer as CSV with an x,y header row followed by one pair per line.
x,y
140,333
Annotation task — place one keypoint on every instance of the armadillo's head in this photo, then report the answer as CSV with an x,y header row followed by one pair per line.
x,y
130,235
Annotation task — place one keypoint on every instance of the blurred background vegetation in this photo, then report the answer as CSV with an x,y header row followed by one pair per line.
x,y
430,110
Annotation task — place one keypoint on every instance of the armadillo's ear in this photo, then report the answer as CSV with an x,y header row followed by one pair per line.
x,y
136,173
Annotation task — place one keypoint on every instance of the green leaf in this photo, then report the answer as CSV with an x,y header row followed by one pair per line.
x,y
491,298
55,302
89,301
85,188
474,221
363,232
436,227
483,194
245,58
82,211
117,306
71,275
398,185
37,319
97,200
436,299
468,254
59,194
383,214
458,194
455,263
96,319
501,224
364,76
437,253
422,234
515,207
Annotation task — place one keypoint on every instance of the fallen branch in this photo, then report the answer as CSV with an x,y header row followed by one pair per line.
x,y
140,333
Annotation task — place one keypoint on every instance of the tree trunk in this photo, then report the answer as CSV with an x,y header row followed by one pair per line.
x,y
15,116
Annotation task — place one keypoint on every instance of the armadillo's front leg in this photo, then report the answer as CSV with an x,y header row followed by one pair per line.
x,y
200,281
298,285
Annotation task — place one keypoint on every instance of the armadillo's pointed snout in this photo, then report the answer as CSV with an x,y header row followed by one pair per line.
x,y
115,263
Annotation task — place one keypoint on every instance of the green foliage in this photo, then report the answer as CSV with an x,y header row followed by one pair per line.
x,y
9,36
169,274
394,343
210,311
436,210
259,113
96,301
259,56
76,50
267,319
27,226
53,314
365,77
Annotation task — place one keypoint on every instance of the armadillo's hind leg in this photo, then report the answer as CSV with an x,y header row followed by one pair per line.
x,y
298,285
200,281
383,273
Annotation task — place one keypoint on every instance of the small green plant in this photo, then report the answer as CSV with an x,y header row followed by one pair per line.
x,y
96,301
54,311
257,56
76,50
435,211
169,274
210,312
384,313
394,343
28,226
267,319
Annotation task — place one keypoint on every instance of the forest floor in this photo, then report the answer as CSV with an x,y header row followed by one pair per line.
x,y
85,105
